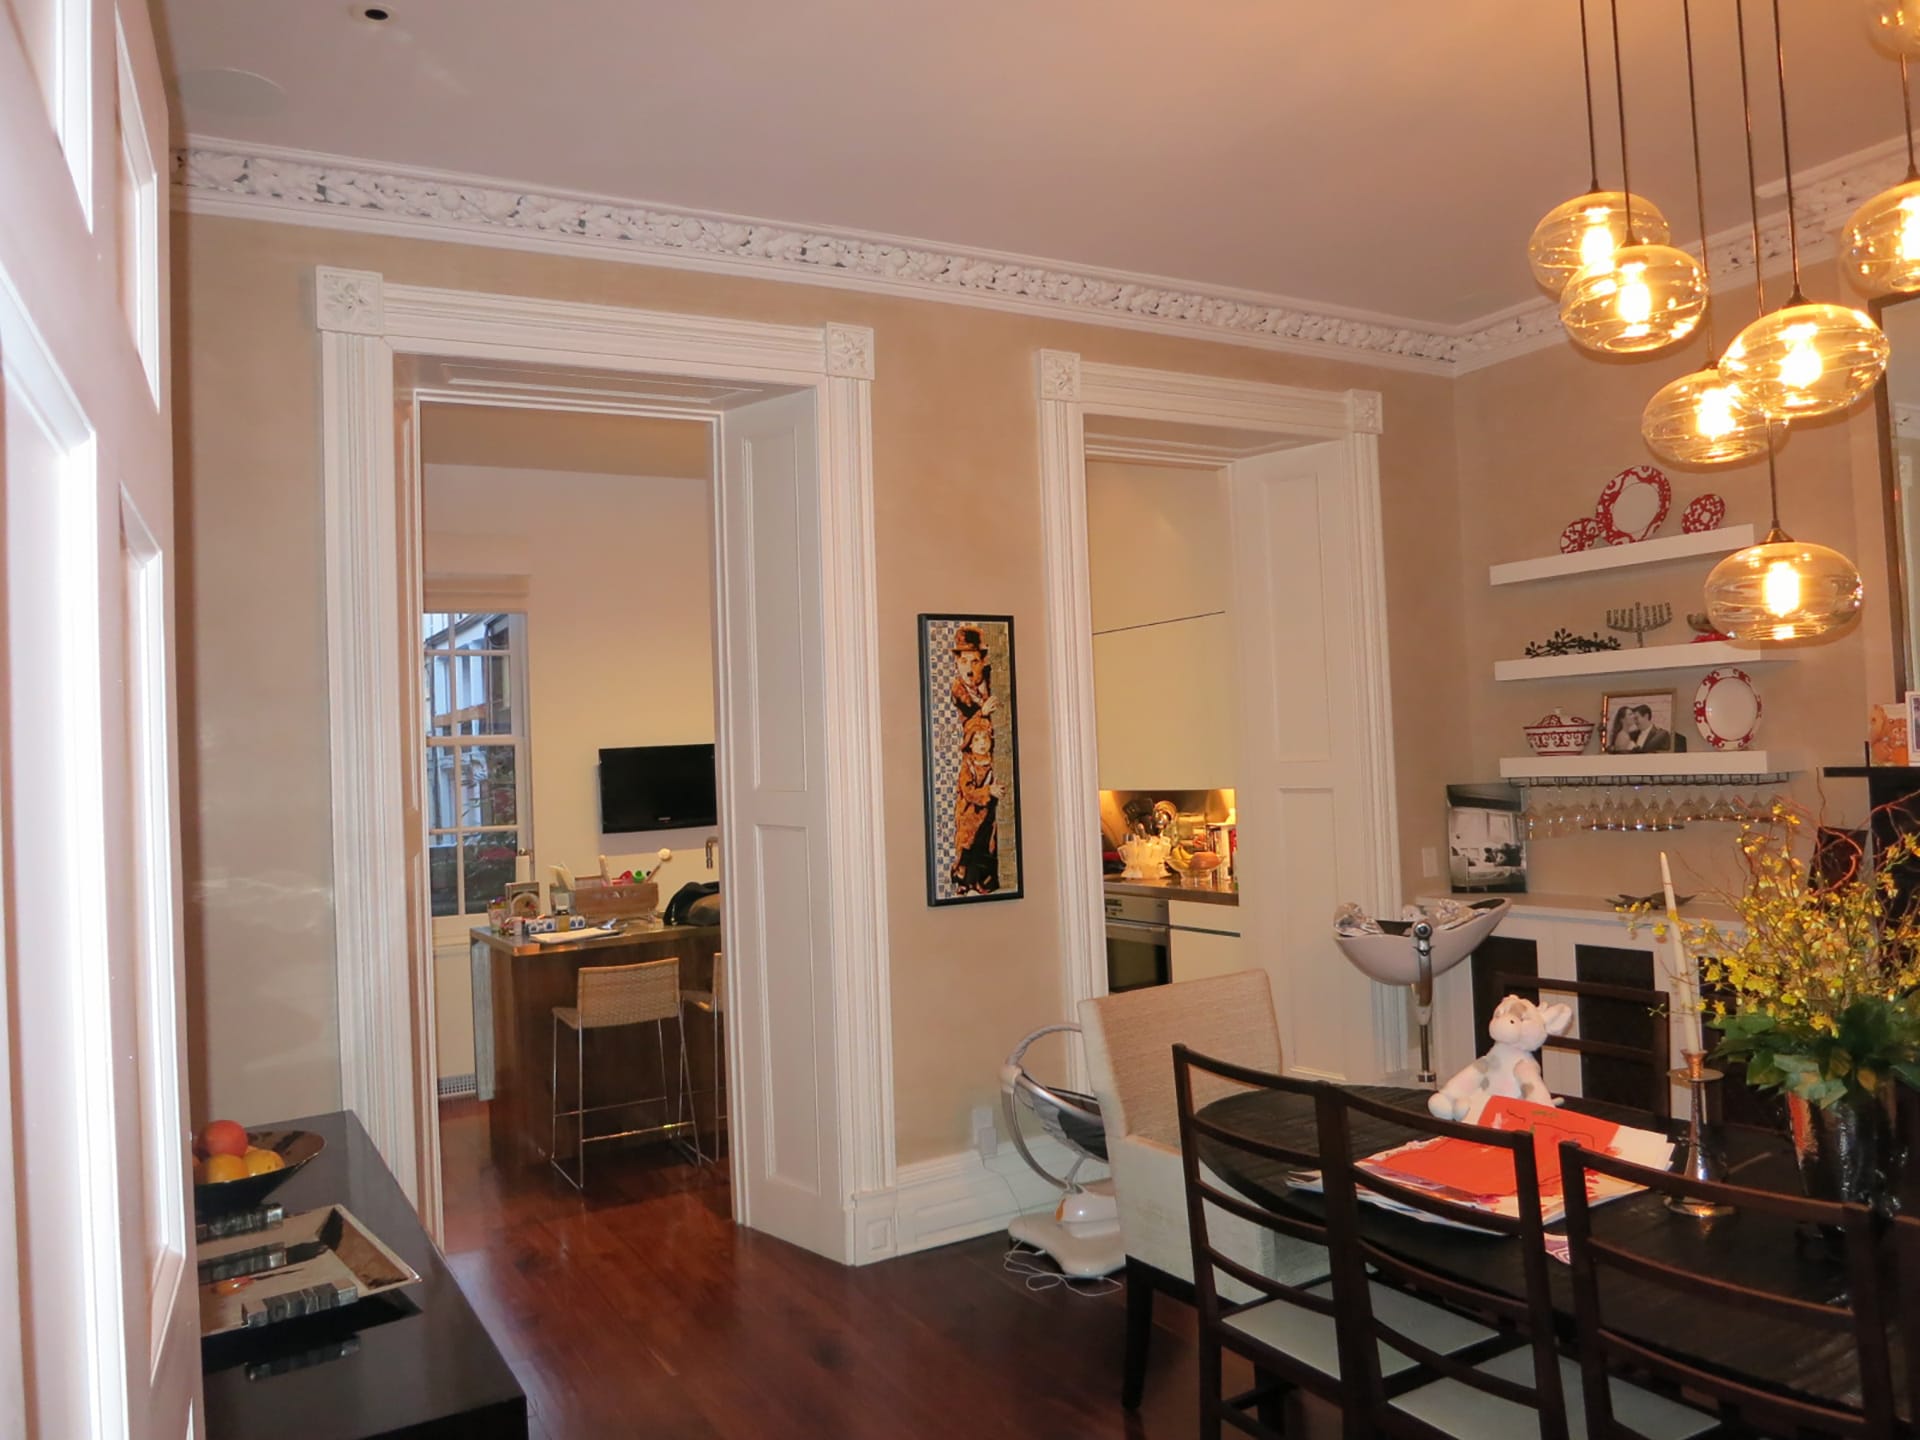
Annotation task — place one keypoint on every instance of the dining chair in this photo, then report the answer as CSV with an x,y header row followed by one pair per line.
x,y
1525,1388
606,997
1129,1040
1655,1057
1856,1312
1288,1332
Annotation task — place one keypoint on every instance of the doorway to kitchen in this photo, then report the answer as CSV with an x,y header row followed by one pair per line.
x,y
1218,643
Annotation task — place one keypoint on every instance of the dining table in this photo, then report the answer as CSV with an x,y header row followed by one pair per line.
x,y
1748,1247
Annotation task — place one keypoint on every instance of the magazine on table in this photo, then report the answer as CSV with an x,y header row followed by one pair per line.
x,y
1481,1176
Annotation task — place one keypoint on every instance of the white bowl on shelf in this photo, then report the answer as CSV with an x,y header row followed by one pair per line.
x,y
1552,735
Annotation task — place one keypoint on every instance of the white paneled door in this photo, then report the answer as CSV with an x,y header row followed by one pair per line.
x,y
771,656
98,1332
1308,812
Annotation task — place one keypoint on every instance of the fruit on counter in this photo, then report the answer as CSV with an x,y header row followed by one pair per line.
x,y
218,1169
222,1137
262,1162
1206,860
1181,857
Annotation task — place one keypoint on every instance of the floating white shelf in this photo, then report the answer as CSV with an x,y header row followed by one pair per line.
x,y
1703,656
1616,557
1703,764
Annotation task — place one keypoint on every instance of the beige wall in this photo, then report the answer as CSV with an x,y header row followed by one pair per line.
x,y
955,434
1539,436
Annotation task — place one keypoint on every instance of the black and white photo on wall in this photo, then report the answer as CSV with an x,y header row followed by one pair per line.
x,y
972,760
1639,724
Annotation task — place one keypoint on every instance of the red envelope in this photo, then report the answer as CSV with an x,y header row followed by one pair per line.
x,y
1484,1170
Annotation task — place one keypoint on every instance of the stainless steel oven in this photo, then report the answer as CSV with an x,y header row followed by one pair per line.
x,y
1139,944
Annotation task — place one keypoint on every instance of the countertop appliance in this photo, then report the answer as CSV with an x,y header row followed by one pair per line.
x,y
1139,942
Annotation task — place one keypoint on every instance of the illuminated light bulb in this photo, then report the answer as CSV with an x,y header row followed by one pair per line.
x,y
1783,589
1807,359
1894,28
1583,233
1650,297
1705,419
1882,241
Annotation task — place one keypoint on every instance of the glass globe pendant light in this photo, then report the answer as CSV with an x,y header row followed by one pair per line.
x,y
1883,237
1894,28
1703,418
1804,359
1583,233
1652,295
1782,588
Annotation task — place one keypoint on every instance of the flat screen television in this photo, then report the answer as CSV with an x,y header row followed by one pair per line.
x,y
657,787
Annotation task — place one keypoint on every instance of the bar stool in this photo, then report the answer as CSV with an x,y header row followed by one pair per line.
x,y
606,996
713,1004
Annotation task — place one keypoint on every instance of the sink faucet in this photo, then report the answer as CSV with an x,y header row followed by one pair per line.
x,y
713,850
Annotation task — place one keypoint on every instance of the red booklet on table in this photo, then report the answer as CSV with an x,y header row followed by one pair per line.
x,y
1484,1170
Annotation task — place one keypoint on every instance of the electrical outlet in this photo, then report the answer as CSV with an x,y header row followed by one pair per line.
x,y
986,1135
1429,862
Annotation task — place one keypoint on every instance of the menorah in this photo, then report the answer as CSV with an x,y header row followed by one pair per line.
x,y
1639,620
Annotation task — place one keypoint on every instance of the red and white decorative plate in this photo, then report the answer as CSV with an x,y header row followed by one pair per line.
x,y
1634,504
1726,709
1703,512
1581,534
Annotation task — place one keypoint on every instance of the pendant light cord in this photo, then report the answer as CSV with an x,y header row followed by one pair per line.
x,y
1586,78
1906,105
1620,101
1786,155
1699,179
1773,497
1753,176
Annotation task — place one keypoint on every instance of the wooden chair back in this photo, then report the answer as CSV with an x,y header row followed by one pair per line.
x,y
1858,1312
1655,1058
1354,1255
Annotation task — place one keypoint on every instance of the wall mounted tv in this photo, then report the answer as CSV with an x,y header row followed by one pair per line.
x,y
657,787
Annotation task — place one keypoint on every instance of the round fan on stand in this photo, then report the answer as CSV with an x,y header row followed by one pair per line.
x,y
1083,1232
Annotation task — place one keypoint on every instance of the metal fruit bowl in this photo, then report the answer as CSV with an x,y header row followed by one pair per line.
x,y
296,1147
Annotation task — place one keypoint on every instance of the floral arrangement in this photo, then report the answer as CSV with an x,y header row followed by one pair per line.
x,y
1815,991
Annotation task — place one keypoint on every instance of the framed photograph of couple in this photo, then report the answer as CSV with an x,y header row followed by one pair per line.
x,y
972,758
1638,724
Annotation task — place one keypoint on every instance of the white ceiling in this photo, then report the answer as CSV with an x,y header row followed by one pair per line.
x,y
1386,157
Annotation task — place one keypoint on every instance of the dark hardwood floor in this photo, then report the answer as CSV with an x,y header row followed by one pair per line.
x,y
641,1310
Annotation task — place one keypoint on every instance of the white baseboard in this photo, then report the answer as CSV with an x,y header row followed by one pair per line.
x,y
956,1197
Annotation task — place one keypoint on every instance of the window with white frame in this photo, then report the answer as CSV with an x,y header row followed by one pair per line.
x,y
478,810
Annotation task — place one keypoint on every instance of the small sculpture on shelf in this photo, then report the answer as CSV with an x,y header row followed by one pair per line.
x,y
1704,630
1640,620
1565,642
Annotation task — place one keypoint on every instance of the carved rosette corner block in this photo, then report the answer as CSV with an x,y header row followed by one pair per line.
x,y
349,301
850,352
1059,375
1365,412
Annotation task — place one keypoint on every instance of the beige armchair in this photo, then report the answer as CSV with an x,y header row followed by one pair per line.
x,y
1130,1039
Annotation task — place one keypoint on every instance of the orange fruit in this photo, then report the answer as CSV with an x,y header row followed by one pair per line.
x,y
262,1162
224,1137
218,1169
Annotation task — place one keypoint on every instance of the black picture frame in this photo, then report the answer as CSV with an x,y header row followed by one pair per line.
x,y
958,702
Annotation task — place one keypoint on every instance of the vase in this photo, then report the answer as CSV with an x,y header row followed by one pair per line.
x,y
1849,1151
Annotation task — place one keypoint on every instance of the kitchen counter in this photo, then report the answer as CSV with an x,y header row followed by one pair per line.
x,y
1174,890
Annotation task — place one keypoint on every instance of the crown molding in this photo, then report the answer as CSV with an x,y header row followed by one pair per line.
x,y
219,177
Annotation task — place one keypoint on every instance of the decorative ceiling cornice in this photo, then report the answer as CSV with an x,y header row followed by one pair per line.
x,y
225,178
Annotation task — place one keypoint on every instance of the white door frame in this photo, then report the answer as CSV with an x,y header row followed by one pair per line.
x,y
385,981
1071,389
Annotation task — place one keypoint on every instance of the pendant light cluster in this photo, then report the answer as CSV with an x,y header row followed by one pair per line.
x,y
1796,362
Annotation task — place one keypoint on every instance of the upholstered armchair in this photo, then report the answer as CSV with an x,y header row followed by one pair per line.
x,y
1130,1039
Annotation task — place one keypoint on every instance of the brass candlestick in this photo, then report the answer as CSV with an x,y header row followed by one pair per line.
x,y
1703,1162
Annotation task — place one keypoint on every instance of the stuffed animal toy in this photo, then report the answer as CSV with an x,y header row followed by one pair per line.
x,y
1519,1027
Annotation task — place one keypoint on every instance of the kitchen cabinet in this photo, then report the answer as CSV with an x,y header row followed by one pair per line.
x,y
1203,940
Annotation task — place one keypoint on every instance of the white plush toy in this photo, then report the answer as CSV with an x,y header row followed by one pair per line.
x,y
1519,1027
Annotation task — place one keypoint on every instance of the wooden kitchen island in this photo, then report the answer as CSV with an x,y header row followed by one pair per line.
x,y
517,984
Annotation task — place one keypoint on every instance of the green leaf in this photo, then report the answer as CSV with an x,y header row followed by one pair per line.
x,y
1908,1072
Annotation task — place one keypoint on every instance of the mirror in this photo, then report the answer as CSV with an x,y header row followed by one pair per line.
x,y
1897,400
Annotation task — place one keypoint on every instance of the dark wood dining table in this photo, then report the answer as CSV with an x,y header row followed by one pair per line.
x,y
1751,1248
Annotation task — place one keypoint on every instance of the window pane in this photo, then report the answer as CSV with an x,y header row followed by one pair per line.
x,y
433,630
442,787
489,863
443,857
486,695
437,690
487,785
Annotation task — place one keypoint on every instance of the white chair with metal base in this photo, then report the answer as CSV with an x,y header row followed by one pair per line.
x,y
606,996
713,1004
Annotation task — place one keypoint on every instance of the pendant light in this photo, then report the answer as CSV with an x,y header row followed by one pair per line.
x,y
1704,418
1782,588
1804,359
1883,237
1895,28
1584,232
1653,294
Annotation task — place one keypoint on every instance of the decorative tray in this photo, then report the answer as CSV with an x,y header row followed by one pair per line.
x,y
315,1261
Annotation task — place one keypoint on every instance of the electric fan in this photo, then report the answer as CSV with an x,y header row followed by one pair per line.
x,y
1083,1232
